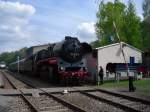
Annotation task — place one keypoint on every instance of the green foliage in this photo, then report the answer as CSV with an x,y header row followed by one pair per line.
x,y
132,26
145,26
126,20
146,9
96,44
9,57
145,29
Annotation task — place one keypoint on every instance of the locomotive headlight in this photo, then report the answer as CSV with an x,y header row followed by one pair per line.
x,y
84,68
62,68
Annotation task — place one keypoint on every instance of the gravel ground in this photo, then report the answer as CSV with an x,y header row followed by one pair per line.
x,y
87,103
7,85
45,103
125,91
34,80
17,104
136,105
15,81
4,107
1,81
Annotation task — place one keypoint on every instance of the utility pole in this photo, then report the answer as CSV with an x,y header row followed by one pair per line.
x,y
18,63
127,67
131,86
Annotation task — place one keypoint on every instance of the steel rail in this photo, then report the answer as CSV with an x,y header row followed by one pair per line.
x,y
74,107
34,109
130,109
125,96
63,102
66,103
132,98
102,99
86,92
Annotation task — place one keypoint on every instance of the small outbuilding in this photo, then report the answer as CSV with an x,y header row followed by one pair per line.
x,y
112,54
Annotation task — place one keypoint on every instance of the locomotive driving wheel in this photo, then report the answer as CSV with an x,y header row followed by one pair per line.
x,y
62,81
43,72
52,75
74,81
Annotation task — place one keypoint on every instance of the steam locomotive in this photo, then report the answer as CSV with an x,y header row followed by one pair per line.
x,y
61,62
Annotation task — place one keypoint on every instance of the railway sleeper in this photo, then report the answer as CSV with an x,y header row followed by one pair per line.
x,y
56,110
60,110
125,96
109,101
52,107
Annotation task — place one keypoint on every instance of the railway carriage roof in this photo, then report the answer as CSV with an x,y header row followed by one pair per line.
x,y
22,60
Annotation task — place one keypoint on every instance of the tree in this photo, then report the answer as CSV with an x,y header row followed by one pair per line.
x,y
95,44
145,26
106,15
146,8
126,20
132,26
9,57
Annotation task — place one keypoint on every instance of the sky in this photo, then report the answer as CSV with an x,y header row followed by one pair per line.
x,y
24,23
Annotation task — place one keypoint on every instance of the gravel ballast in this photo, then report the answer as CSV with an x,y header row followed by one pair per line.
x,y
17,104
129,103
87,103
45,103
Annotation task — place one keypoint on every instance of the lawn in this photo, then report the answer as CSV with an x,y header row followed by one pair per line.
x,y
141,85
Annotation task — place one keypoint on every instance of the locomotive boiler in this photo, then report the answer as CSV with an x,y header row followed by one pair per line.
x,y
61,62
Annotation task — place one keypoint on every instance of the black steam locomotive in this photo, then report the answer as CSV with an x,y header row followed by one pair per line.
x,y
60,62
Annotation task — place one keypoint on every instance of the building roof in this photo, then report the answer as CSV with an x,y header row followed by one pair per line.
x,y
123,43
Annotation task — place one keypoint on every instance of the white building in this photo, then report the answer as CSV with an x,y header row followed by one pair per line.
x,y
113,54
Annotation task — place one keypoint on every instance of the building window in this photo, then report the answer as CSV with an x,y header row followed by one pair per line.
x,y
132,60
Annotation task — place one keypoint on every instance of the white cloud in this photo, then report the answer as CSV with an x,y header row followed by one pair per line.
x,y
86,31
15,8
14,23
141,17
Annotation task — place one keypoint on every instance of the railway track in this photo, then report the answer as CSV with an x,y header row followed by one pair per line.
x,y
47,99
43,103
124,102
27,101
35,81
12,83
117,102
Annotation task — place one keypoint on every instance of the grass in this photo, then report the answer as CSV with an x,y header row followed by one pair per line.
x,y
141,85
